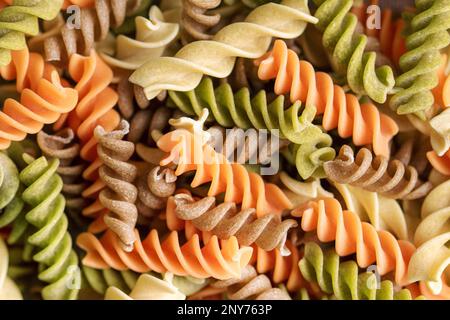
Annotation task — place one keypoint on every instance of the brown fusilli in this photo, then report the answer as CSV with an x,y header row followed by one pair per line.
x,y
225,220
388,177
251,285
195,20
118,174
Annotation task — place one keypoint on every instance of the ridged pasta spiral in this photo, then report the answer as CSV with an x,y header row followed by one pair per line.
x,y
120,194
46,213
343,279
101,280
222,260
240,109
341,111
196,21
11,204
252,286
332,223
225,220
282,269
216,57
346,48
428,35
430,261
95,22
42,97
154,187
440,132
387,40
239,185
20,18
147,287
8,288
61,146
152,37
95,107
390,178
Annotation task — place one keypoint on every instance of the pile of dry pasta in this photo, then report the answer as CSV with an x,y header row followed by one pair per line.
x,y
234,149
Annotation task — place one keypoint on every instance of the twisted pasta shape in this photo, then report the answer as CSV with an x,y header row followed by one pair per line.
x,y
383,213
20,18
240,186
101,280
216,57
46,212
42,97
388,40
283,269
353,236
147,288
195,20
340,110
62,147
220,261
8,288
225,220
154,187
430,261
95,107
120,194
390,178
95,22
152,37
249,147
11,204
428,35
252,286
440,132
346,48
343,280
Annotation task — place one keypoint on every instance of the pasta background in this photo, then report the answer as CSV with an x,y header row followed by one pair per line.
x,y
224,150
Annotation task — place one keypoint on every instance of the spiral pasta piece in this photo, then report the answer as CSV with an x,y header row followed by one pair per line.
x,y
62,147
343,279
195,20
95,107
216,57
440,132
101,280
152,37
282,269
390,178
250,285
147,288
225,220
154,189
11,204
20,18
120,194
46,212
353,236
347,47
387,40
240,186
430,261
218,260
363,122
428,35
95,21
42,97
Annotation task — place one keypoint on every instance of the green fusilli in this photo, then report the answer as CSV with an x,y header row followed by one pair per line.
x,y
347,50
58,262
343,279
